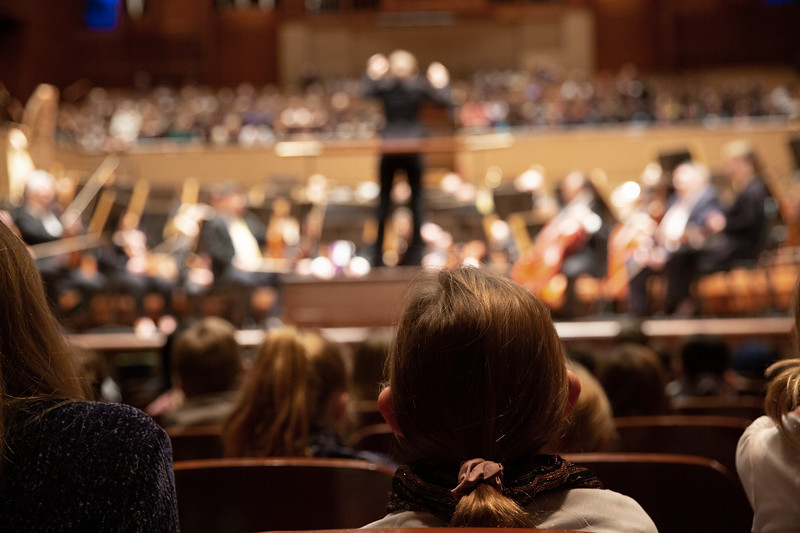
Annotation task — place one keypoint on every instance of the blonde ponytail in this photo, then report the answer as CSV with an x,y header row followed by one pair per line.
x,y
487,507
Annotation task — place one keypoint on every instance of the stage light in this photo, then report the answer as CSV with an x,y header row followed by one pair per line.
x,y
451,182
494,176
342,252
358,267
323,268
530,180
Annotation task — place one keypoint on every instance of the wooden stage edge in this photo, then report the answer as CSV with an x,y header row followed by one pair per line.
x,y
666,329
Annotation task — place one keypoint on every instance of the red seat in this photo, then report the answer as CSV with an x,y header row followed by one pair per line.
x,y
225,495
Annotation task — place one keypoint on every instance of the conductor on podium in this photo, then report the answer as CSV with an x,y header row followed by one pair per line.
x,y
395,81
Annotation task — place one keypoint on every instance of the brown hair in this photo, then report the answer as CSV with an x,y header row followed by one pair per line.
x,y
477,371
635,381
206,357
35,362
295,377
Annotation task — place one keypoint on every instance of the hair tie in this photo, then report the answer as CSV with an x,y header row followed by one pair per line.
x,y
477,471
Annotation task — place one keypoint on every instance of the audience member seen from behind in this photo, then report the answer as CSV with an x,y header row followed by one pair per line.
x,y
68,464
635,381
208,368
295,401
768,454
590,427
705,361
478,385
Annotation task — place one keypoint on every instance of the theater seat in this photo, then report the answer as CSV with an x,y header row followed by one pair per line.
x,y
714,437
680,493
746,407
375,438
195,442
228,495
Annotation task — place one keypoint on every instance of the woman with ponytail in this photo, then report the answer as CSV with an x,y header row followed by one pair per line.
x,y
67,464
478,385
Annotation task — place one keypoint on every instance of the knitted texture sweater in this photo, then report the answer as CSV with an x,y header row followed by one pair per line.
x,y
86,466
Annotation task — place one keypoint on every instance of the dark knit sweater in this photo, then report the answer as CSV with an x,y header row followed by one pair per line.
x,y
86,466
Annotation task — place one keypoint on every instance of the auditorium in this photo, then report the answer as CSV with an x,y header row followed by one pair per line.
x,y
484,264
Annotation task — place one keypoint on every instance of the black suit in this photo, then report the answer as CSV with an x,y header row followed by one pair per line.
x,y
215,240
744,236
402,101
680,267
55,274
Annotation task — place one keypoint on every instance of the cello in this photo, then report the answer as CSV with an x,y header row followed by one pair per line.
x,y
539,267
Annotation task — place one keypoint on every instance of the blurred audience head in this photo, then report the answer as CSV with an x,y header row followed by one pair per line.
x,y
634,380
299,381
590,427
206,358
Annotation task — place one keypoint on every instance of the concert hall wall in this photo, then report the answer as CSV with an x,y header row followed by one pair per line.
x,y
192,40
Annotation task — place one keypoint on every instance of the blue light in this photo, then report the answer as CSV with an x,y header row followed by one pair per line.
x,y
102,15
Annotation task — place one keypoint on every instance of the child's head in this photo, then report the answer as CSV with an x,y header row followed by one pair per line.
x,y
206,357
299,381
590,427
477,371
635,381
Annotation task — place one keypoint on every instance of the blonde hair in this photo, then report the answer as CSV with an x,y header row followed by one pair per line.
x,y
477,370
295,376
783,392
590,427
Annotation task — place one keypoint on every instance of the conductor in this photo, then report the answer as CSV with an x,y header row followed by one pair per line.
x,y
397,84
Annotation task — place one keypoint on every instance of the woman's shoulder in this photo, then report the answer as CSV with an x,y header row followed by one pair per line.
x,y
107,414
406,519
595,510
107,424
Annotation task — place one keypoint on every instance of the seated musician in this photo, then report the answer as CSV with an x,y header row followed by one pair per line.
x,y
234,239
137,272
572,244
733,234
740,231
588,253
38,220
689,218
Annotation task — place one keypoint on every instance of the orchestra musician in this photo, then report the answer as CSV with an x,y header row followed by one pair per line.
x,y
740,232
736,233
39,221
396,83
573,243
137,271
234,239
689,219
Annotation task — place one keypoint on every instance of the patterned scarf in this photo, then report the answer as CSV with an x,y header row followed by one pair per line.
x,y
425,485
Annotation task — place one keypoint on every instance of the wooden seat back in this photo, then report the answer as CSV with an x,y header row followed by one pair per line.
x,y
224,495
375,438
747,407
195,442
714,437
680,493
